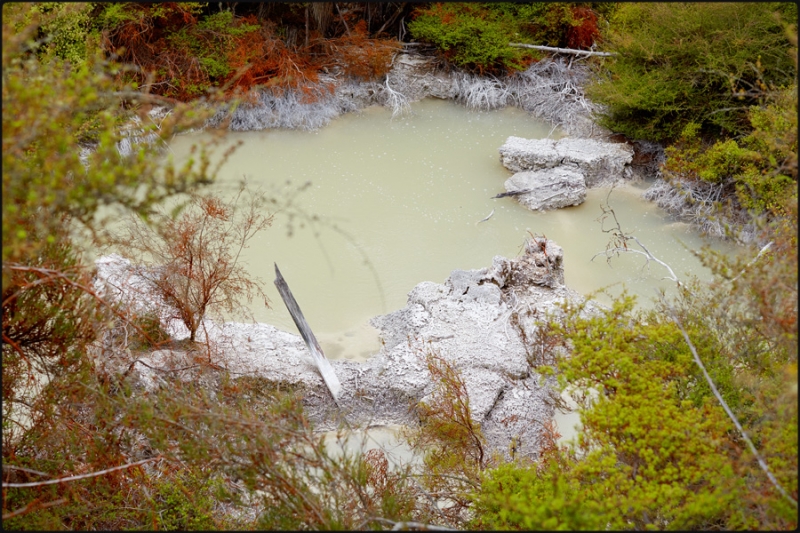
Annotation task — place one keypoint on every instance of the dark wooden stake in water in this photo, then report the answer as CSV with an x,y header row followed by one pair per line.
x,y
324,366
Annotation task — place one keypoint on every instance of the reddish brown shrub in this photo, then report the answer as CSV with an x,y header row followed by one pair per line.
x,y
585,32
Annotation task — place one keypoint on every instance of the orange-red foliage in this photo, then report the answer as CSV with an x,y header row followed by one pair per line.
x,y
584,34
142,41
255,58
362,57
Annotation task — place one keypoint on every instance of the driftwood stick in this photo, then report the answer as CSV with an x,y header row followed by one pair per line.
x,y
522,191
82,476
512,193
485,218
561,50
323,365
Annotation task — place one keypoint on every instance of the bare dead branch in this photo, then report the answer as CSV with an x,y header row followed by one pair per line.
x,y
82,476
33,506
403,526
561,50
620,238
756,258
23,469
761,462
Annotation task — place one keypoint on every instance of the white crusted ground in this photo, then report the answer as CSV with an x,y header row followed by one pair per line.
x,y
468,321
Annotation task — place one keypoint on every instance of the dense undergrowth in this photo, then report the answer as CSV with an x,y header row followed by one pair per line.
x,y
206,450
716,83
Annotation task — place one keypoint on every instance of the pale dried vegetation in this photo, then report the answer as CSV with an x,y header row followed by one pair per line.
x,y
696,202
550,90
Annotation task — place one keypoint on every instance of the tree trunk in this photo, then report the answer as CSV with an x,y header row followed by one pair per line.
x,y
322,13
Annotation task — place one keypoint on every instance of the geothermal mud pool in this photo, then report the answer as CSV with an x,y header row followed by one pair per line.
x,y
409,194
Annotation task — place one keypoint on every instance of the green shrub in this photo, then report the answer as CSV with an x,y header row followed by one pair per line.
x,y
210,42
67,27
762,166
475,36
470,36
685,62
530,498
656,450
185,503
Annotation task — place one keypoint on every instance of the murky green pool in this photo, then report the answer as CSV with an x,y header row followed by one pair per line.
x,y
399,201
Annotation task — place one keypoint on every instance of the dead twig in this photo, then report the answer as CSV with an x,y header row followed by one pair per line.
x,y
403,526
23,469
620,240
75,478
761,462
33,506
756,258
561,50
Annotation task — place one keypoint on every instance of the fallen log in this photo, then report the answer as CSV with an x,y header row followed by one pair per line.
x,y
323,365
561,50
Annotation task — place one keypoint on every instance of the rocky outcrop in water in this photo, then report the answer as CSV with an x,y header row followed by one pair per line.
x,y
476,320
552,174
547,189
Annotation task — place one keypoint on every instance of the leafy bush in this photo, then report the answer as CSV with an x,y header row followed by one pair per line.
x,y
51,112
185,503
532,498
67,27
453,446
656,449
471,36
212,40
678,63
58,419
50,313
476,36
762,166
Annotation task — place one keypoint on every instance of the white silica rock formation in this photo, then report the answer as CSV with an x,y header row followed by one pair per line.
x,y
548,188
599,162
552,174
480,321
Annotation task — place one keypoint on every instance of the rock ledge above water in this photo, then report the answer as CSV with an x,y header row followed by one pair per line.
x,y
473,321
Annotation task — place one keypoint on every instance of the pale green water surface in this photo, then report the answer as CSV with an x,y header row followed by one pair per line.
x,y
409,193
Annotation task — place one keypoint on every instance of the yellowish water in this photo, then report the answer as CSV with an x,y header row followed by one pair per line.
x,y
398,202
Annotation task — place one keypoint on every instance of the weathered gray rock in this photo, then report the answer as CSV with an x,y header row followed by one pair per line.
x,y
599,162
470,322
473,321
548,189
